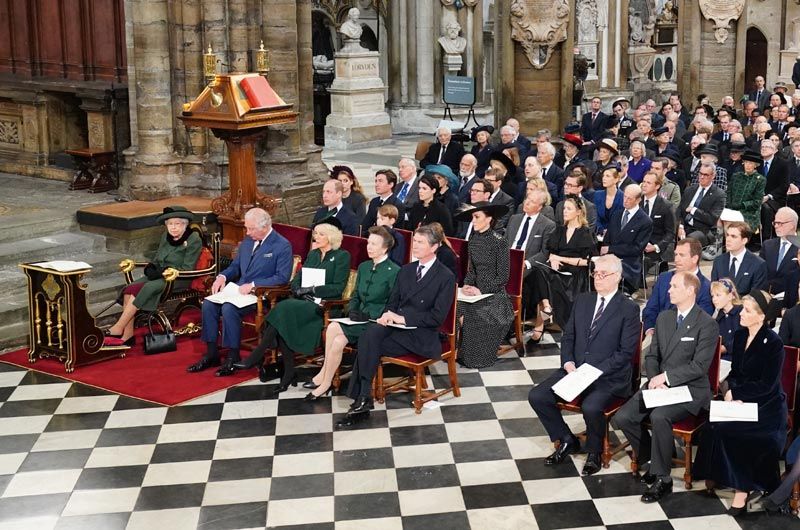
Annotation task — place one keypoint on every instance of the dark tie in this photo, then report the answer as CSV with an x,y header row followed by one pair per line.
x,y
464,181
758,97
766,167
597,316
797,162
699,198
332,212
625,218
255,247
733,268
680,321
725,137
647,207
420,268
594,117
524,234
441,154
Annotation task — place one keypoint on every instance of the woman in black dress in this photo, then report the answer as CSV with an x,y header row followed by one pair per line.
x,y
728,305
429,209
744,455
571,247
482,150
352,194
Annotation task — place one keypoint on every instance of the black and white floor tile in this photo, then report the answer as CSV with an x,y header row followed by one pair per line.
x,y
75,457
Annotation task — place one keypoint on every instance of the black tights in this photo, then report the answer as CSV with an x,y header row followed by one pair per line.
x,y
269,340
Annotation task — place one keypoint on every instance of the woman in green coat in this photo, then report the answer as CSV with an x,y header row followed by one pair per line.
x,y
746,190
179,249
374,283
295,324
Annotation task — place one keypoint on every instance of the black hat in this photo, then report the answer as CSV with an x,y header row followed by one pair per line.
x,y
768,305
511,169
173,212
706,149
738,147
474,134
659,130
330,220
492,210
673,155
572,128
753,156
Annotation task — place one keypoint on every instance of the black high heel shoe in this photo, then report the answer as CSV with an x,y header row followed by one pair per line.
x,y
737,512
254,359
283,387
311,397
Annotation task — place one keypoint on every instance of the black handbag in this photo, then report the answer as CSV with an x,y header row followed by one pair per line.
x,y
159,342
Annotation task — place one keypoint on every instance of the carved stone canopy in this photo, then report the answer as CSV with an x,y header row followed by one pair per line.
x,y
722,13
539,25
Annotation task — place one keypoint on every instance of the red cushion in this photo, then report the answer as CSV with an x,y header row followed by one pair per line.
x,y
412,358
691,423
204,261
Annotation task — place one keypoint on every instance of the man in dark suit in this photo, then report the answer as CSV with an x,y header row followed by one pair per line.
x,y
628,233
445,151
747,270
264,259
421,298
760,95
550,171
385,182
519,138
467,177
662,240
778,252
574,185
676,357
480,191
701,205
593,123
777,173
498,196
332,206
408,192
603,331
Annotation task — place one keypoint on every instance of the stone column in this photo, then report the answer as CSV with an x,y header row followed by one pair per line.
x,y
193,81
425,51
154,171
411,38
395,88
403,52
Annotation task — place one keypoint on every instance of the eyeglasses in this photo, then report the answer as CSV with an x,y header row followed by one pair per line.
x,y
602,275
707,174
570,185
780,223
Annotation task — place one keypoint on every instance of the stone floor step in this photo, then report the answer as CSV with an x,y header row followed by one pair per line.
x,y
36,224
50,247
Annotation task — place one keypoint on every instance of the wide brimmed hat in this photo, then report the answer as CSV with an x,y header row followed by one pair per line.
x,y
673,155
501,157
620,100
707,149
330,220
474,134
609,144
779,84
445,171
492,210
572,128
175,212
659,131
335,170
573,139
753,156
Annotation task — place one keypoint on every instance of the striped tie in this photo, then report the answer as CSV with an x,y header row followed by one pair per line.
x,y
597,316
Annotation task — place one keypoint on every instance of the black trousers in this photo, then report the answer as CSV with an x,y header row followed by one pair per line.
x,y
376,342
544,402
658,447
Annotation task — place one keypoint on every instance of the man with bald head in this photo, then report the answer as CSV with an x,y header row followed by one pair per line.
x,y
519,138
467,173
628,234
445,151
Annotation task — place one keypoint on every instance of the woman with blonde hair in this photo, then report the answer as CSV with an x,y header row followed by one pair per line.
x,y
609,199
728,306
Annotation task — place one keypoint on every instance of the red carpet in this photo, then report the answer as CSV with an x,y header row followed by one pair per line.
x,y
160,378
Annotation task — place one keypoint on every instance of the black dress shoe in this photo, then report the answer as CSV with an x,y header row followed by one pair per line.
x,y
311,385
312,397
737,512
229,368
360,405
203,364
773,508
592,465
560,454
657,491
648,478
351,419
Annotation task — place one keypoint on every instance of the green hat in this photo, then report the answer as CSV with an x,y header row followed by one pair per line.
x,y
445,171
172,212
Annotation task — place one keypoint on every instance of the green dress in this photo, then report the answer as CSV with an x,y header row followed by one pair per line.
x,y
374,284
182,256
744,194
300,322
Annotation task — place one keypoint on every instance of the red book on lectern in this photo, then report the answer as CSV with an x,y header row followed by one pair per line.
x,y
259,93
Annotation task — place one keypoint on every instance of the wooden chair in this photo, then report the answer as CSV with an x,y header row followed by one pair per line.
x,y
575,406
687,427
422,149
186,296
461,248
408,235
417,364
514,290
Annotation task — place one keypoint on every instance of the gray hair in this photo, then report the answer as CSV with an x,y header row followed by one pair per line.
x,y
544,132
443,129
610,261
407,160
507,128
634,188
549,148
260,216
791,214
711,165
429,234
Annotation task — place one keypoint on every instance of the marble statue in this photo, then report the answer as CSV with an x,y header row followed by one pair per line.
x,y
451,42
322,64
351,32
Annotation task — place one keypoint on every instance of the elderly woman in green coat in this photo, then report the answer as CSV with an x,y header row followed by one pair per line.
x,y
746,190
295,324
374,283
179,249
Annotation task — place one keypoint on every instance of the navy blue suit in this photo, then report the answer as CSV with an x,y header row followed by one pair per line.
x,y
372,211
271,265
777,276
424,305
592,130
463,191
610,349
751,273
659,299
628,242
350,224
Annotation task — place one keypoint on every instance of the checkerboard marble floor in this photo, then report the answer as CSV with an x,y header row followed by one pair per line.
x,y
75,457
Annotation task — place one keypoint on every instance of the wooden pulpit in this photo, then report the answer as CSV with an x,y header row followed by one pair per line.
x,y
223,107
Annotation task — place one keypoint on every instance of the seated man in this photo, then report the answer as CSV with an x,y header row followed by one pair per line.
x,y
747,270
779,251
628,233
603,331
444,151
385,181
421,298
701,206
676,357
264,259
332,206
574,184
687,259
661,245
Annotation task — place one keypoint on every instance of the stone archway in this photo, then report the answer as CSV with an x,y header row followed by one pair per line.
x,y
755,61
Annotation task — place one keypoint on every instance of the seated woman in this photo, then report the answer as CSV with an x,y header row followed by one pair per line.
x,y
445,254
387,217
744,455
639,164
608,200
295,324
571,246
746,189
374,283
485,323
352,194
728,305
179,249
606,151
429,209
448,186
482,150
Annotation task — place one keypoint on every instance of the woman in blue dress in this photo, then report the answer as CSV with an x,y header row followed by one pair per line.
x,y
609,199
728,305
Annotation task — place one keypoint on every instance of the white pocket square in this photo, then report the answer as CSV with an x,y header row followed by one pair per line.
x,y
747,274
657,216
537,235
687,339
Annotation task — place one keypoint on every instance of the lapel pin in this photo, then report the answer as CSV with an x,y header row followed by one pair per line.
x,y
765,340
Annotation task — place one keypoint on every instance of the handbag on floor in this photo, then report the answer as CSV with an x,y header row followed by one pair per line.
x,y
159,342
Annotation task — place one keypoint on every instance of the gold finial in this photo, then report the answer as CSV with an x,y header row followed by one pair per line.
x,y
262,60
209,64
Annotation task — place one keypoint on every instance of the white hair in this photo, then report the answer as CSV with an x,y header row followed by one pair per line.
x,y
549,148
260,216
508,128
611,261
